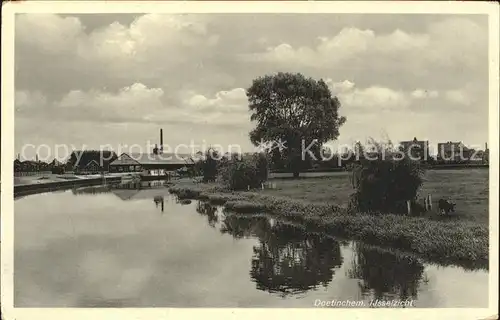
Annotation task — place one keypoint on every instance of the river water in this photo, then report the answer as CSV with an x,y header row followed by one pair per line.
x,y
95,247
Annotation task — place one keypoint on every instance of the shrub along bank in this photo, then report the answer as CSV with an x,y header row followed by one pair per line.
x,y
446,242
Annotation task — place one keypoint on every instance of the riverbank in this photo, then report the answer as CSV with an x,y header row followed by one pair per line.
x,y
464,243
45,178
35,188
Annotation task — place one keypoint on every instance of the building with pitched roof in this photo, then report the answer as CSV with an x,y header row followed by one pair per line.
x,y
83,160
154,164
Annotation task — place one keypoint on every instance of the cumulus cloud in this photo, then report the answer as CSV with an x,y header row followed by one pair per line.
x,y
471,94
376,97
49,33
138,103
340,87
447,43
383,98
225,107
458,96
149,31
409,113
422,94
25,100
234,100
147,47
127,104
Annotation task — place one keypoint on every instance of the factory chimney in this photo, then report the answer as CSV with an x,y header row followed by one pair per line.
x,y
161,140
486,146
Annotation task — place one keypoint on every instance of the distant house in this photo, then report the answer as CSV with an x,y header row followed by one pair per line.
x,y
416,149
30,166
454,152
126,163
92,167
79,160
154,164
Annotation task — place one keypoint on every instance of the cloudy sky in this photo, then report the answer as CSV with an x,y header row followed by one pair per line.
x,y
116,79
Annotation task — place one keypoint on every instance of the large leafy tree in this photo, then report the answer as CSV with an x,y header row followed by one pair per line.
x,y
296,110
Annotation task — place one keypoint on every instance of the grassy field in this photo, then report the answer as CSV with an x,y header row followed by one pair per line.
x,y
468,188
320,203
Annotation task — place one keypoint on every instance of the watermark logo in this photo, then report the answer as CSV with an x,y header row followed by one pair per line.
x,y
269,146
311,150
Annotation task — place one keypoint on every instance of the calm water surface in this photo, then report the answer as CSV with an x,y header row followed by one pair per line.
x,y
94,247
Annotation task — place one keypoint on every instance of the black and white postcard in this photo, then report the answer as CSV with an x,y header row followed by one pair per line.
x,y
284,159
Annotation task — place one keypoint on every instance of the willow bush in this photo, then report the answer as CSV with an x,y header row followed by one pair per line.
x,y
239,173
384,180
209,165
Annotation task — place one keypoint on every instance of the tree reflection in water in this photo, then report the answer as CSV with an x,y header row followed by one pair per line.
x,y
287,260
208,210
386,275
241,226
290,261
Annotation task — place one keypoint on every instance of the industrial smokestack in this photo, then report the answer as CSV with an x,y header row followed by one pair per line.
x,y
161,139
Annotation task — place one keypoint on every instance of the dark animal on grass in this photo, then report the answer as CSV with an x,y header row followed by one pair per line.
x,y
446,206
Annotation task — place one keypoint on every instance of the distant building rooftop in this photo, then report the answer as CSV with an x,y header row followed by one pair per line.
x,y
153,159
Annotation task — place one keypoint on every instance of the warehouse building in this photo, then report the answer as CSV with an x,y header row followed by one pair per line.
x,y
151,163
